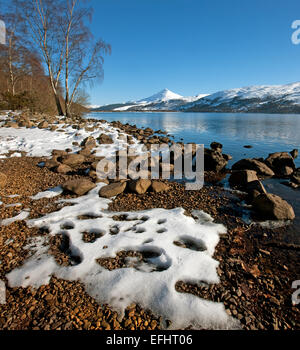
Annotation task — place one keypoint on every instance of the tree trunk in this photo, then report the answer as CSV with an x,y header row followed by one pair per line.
x,y
58,105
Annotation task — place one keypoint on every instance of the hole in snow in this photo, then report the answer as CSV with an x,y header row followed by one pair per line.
x,y
88,216
191,243
63,252
161,221
162,230
92,235
148,260
114,230
68,225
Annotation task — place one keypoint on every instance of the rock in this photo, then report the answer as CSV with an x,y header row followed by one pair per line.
x,y
253,164
105,139
59,153
139,186
89,142
270,206
242,177
216,146
296,177
3,180
63,169
158,186
294,153
73,160
52,163
112,190
255,188
79,187
282,163
214,160
43,125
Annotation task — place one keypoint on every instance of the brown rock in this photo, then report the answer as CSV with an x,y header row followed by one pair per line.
x,y
3,180
158,186
242,177
139,186
282,163
270,206
63,169
105,139
43,125
253,164
112,190
73,160
89,142
79,187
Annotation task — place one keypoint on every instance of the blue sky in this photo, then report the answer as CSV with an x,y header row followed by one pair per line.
x,y
194,46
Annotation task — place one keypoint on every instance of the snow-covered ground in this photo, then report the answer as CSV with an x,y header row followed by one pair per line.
x,y
150,282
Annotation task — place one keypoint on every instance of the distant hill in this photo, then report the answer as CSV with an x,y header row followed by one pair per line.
x,y
253,99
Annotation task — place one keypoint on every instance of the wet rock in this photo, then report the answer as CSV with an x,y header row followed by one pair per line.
x,y
296,177
214,160
139,186
242,177
282,163
253,164
216,146
255,188
294,153
79,187
73,160
272,207
112,190
158,186
3,180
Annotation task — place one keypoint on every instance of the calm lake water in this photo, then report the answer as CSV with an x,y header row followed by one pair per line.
x,y
266,133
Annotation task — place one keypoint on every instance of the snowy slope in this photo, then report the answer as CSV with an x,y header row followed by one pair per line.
x,y
266,98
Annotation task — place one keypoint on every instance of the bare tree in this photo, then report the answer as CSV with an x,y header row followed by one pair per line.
x,y
83,56
41,19
60,30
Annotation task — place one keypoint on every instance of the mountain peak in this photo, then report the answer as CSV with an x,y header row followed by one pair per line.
x,y
163,96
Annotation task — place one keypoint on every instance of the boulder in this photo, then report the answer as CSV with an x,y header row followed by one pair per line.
x,y
241,178
79,187
158,186
52,163
216,146
89,142
214,160
294,153
253,164
63,169
271,207
139,186
296,177
43,125
59,153
72,160
282,163
112,190
255,188
3,180
105,139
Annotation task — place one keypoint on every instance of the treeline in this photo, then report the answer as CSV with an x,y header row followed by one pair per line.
x,y
49,56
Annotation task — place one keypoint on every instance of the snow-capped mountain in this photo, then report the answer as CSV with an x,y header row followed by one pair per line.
x,y
255,99
264,99
163,100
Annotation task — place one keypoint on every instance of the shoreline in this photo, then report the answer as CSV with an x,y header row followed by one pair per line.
x,y
254,289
